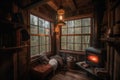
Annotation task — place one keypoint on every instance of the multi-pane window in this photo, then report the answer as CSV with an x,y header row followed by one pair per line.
x,y
75,35
40,35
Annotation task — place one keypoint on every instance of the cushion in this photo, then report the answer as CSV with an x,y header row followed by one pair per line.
x,y
58,58
43,58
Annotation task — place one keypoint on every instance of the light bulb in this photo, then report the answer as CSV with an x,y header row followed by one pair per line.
x,y
60,17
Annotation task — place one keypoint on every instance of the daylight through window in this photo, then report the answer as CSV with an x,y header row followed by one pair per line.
x,y
75,35
40,35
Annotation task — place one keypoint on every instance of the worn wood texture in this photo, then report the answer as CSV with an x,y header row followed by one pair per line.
x,y
70,76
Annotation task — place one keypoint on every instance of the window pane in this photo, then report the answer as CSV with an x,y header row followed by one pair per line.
x,y
70,46
33,20
70,30
34,50
87,45
63,45
64,26
47,24
77,39
89,29
34,29
70,39
77,30
70,23
41,30
85,22
63,38
78,23
48,47
34,40
42,49
85,39
42,40
47,31
47,40
77,47
64,31
84,46
85,30
77,34
41,22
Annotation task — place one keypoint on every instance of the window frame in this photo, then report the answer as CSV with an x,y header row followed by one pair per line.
x,y
75,51
39,35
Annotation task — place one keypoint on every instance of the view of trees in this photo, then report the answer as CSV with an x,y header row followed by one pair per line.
x,y
76,34
40,35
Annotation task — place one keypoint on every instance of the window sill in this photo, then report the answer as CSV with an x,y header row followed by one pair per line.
x,y
73,52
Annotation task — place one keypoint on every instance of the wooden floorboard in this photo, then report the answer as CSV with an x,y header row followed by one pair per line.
x,y
70,75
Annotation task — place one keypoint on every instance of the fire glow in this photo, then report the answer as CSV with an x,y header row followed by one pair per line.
x,y
93,58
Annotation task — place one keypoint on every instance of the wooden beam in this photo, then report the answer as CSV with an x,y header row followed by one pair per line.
x,y
71,4
34,4
79,16
37,13
80,11
52,5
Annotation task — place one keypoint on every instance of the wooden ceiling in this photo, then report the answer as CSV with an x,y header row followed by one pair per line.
x,y
49,8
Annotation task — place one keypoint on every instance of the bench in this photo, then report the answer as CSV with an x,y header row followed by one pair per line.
x,y
39,71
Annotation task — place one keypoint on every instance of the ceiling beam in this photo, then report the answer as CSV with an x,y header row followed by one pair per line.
x,y
52,5
71,4
79,11
79,16
42,15
34,3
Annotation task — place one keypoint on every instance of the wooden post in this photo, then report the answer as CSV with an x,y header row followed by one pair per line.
x,y
15,55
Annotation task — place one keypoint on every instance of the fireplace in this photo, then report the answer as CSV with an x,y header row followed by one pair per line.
x,y
95,57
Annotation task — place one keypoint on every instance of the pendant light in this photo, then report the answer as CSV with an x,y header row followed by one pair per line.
x,y
60,15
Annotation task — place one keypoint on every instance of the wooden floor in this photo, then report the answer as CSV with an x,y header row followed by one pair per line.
x,y
70,75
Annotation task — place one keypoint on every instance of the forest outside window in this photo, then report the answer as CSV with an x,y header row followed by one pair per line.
x,y
40,35
75,35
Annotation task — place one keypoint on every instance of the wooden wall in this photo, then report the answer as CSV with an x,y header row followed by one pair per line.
x,y
14,58
15,65
110,38
6,67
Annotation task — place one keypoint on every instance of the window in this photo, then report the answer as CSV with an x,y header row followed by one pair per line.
x,y
75,35
40,35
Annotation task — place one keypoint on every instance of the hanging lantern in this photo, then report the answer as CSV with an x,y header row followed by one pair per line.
x,y
60,16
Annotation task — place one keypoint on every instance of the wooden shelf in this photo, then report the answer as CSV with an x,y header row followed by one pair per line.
x,y
12,23
73,52
11,32
12,49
